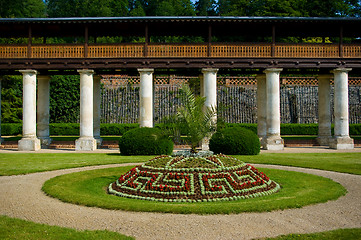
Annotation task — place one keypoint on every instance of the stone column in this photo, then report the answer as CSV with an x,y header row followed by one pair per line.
x,y
324,110
96,110
29,141
1,140
273,139
42,127
341,139
146,97
261,108
86,142
209,89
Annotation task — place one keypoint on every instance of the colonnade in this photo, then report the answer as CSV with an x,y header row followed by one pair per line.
x,y
36,113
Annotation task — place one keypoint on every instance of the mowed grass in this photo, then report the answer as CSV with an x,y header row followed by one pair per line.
x,y
89,189
24,163
337,162
339,234
11,228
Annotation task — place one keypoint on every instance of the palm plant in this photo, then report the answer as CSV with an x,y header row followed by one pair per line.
x,y
197,120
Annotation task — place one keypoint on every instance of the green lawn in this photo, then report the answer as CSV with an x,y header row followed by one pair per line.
x,y
339,234
338,162
11,228
89,189
23,163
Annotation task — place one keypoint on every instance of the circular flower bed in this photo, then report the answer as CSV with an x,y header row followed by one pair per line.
x,y
193,179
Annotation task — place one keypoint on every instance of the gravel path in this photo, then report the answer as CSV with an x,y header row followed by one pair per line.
x,y
21,197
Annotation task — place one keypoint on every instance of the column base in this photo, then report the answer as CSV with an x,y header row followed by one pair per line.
x,y
324,140
29,144
45,141
85,144
341,143
205,144
273,143
99,140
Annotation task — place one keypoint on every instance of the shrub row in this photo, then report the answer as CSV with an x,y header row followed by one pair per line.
x,y
13,129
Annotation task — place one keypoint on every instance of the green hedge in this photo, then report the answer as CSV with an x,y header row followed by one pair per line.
x,y
13,129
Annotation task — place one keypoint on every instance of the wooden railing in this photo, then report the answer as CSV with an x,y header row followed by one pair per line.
x,y
114,51
182,50
13,51
176,50
57,51
307,51
259,50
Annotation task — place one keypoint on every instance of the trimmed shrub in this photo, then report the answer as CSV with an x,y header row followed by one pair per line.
x,y
11,129
64,129
116,128
235,141
145,141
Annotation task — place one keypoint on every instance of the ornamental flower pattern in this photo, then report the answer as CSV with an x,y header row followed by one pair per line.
x,y
193,179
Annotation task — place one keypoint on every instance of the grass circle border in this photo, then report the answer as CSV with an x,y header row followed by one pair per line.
x,y
88,188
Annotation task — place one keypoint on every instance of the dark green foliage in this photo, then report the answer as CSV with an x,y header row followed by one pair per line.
x,y
22,8
116,128
355,129
64,129
235,141
249,126
299,129
11,129
12,99
64,99
145,141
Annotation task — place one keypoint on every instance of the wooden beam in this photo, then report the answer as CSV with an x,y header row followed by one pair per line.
x,y
30,40
146,42
86,42
273,47
209,40
341,42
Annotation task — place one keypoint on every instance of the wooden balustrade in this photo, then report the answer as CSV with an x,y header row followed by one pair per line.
x,y
223,50
57,51
183,50
177,50
114,51
13,51
351,51
307,51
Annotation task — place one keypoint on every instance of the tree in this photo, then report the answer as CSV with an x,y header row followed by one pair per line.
x,y
12,99
22,8
197,121
87,8
205,7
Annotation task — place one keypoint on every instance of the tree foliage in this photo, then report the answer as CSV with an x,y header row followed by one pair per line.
x,y
64,99
22,8
197,121
12,100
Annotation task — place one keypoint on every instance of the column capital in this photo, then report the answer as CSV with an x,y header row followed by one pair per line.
x,y
86,71
341,70
28,71
271,70
211,70
146,70
43,77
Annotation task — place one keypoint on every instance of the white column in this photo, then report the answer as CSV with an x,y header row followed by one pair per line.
x,y
209,91
261,107
1,140
42,127
96,110
86,142
273,139
146,97
324,109
29,141
341,139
